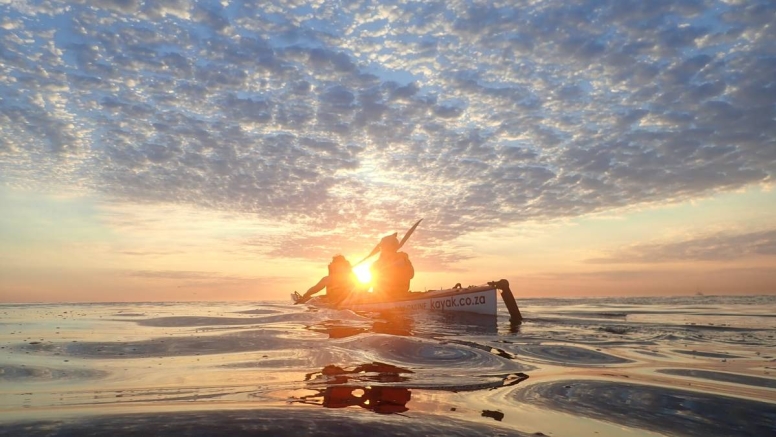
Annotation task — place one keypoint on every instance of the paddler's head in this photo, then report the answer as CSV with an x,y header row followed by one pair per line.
x,y
389,244
339,263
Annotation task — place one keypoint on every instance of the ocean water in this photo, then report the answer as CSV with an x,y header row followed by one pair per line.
x,y
683,366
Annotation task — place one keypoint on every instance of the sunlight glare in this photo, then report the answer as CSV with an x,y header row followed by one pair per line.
x,y
362,273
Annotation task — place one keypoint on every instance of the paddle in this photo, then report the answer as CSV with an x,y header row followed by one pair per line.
x,y
401,243
298,298
407,235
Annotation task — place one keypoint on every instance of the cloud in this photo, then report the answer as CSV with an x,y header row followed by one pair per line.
x,y
175,274
125,6
471,116
198,279
148,253
717,247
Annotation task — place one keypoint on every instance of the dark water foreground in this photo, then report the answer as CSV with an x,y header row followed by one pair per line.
x,y
257,422
699,366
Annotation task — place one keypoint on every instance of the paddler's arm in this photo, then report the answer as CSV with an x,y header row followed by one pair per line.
x,y
314,289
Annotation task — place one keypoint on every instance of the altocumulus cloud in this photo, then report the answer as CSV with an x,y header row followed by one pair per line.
x,y
717,247
470,114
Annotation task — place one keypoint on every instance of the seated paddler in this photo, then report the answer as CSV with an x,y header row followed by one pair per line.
x,y
338,283
392,272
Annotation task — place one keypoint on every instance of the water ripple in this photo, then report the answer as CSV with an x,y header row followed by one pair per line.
x,y
659,409
722,376
294,421
429,354
254,340
14,373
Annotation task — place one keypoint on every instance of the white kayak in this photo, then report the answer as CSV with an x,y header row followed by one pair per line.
x,y
481,299
476,299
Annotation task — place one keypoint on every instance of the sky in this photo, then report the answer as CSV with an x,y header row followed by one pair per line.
x,y
182,150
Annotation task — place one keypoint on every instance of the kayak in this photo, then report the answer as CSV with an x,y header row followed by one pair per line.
x,y
478,300
481,299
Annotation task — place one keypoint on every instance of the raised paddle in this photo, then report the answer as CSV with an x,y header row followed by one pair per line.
x,y
401,243
298,298
407,235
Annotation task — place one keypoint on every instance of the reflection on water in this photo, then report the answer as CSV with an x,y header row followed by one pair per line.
x,y
344,388
335,330
394,324
371,386
597,367
373,372
390,323
432,324
383,400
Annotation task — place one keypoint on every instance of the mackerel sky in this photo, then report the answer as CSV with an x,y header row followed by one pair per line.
x,y
344,121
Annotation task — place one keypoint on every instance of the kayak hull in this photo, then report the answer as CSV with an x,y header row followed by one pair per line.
x,y
477,300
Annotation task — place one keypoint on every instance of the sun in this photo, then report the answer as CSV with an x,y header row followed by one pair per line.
x,y
362,273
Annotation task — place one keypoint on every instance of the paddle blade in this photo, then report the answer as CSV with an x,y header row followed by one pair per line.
x,y
371,254
409,233
401,243
298,298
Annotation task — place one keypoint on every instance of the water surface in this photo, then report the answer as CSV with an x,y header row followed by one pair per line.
x,y
696,365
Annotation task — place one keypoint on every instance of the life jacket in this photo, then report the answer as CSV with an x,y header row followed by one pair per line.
x,y
340,279
391,276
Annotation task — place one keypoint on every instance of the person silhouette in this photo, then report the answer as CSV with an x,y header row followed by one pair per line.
x,y
338,283
392,272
